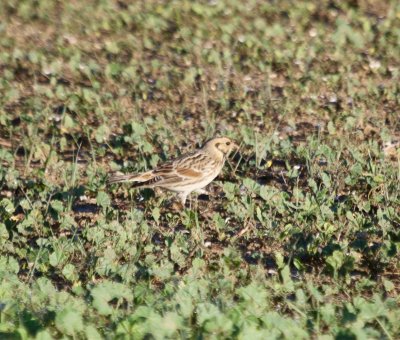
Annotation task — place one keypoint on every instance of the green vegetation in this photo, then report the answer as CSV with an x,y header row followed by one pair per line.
x,y
301,235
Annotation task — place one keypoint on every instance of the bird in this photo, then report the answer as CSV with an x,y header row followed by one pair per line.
x,y
190,172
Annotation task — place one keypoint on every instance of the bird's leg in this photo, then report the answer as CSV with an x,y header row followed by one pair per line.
x,y
190,200
182,196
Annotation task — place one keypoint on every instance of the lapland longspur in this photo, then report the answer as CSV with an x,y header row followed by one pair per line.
x,y
188,173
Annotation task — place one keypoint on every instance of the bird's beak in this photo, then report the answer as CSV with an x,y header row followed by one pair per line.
x,y
235,146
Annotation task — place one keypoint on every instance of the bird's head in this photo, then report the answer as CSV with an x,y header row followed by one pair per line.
x,y
221,145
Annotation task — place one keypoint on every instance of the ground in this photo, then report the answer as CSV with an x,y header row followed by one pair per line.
x,y
299,236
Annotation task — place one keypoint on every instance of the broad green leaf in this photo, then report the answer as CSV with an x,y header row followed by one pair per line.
x,y
57,205
103,199
106,291
3,232
69,321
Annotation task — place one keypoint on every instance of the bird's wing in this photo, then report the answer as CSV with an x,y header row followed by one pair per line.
x,y
189,168
192,167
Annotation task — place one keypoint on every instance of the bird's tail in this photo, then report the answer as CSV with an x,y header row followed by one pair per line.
x,y
139,178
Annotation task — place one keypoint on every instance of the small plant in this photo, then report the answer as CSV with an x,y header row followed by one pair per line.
x,y
298,237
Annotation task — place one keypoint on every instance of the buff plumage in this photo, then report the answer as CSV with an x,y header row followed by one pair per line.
x,y
188,173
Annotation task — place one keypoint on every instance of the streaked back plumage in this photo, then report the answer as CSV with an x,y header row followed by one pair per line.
x,y
190,172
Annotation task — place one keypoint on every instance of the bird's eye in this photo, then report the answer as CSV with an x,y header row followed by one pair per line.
x,y
228,143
